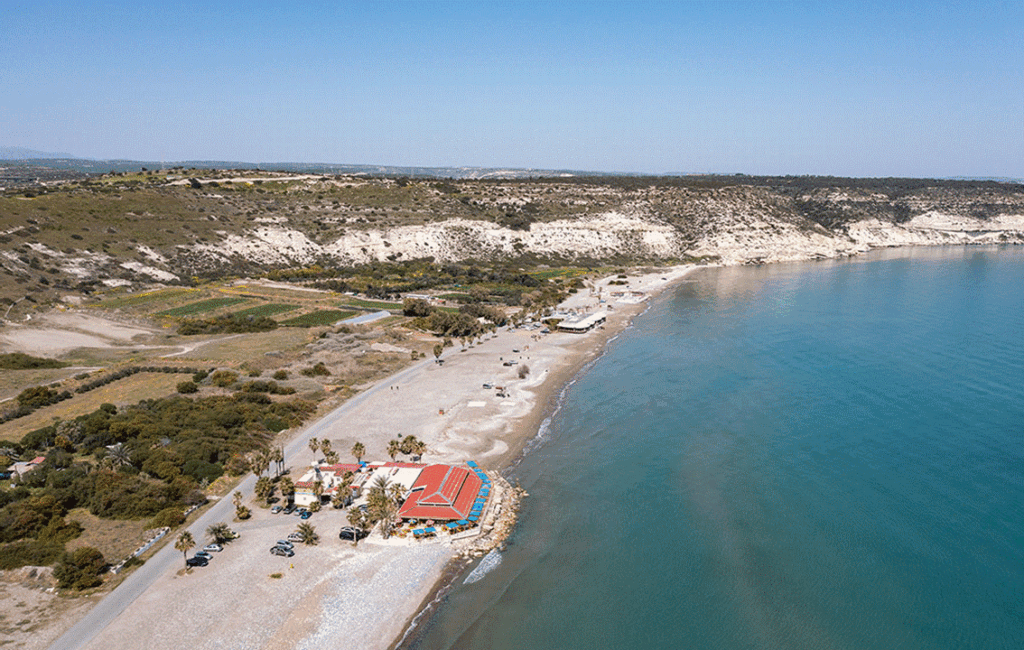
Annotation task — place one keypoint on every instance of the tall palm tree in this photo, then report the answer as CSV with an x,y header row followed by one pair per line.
x,y
358,450
318,489
264,488
287,486
357,518
394,448
314,444
185,543
278,458
236,499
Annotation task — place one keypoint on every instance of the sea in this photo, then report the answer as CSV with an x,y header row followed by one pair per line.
x,y
822,455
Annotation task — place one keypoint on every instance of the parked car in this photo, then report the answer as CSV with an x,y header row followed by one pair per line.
x,y
212,548
298,513
275,510
289,510
196,561
294,537
351,533
306,514
283,552
284,544
515,349
203,554
488,386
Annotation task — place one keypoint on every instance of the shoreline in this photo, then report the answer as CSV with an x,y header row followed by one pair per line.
x,y
578,357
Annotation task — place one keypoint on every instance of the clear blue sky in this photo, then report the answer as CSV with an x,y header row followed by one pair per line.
x,y
854,89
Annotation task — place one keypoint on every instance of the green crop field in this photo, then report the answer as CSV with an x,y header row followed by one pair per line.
x,y
268,310
316,318
201,307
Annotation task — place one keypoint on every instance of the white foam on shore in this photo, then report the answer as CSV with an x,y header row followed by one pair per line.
x,y
490,562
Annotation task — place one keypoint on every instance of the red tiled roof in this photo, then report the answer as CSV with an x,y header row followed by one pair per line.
x,y
441,492
340,468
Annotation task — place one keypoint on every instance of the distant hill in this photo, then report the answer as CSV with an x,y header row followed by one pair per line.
x,y
21,153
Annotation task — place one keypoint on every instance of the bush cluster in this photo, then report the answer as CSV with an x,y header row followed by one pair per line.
x,y
226,324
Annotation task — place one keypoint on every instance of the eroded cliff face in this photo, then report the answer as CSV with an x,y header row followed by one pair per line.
x,y
93,235
735,225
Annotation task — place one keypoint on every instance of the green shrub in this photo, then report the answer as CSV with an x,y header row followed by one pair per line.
x,y
187,387
171,517
80,570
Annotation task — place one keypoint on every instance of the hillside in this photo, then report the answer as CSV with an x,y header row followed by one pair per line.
x,y
136,229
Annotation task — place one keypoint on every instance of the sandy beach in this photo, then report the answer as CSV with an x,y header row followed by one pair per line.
x,y
365,596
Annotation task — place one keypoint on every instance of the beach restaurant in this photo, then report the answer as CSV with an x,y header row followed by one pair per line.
x,y
583,324
447,493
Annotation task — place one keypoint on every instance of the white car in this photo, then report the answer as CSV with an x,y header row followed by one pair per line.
x,y
213,548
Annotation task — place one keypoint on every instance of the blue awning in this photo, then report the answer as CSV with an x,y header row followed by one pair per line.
x,y
472,518
471,463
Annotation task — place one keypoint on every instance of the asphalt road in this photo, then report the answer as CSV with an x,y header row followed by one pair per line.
x,y
169,559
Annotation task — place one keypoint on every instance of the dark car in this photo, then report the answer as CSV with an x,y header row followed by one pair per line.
x,y
352,533
306,514
196,561
282,551
204,555
289,510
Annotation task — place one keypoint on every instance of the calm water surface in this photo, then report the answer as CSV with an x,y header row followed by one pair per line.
x,y
825,455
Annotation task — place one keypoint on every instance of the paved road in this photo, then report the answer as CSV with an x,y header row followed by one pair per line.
x,y
167,558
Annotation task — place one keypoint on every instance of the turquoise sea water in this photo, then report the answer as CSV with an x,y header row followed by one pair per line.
x,y
822,455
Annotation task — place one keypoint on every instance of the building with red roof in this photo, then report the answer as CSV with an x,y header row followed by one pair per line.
x,y
441,493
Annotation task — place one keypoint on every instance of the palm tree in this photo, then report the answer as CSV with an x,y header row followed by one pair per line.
x,y
185,543
358,450
408,445
307,531
287,486
264,488
318,489
236,499
394,448
331,457
357,518
119,455
326,447
220,532
278,458
314,444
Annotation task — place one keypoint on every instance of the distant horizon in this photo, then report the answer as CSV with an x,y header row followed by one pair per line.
x,y
46,155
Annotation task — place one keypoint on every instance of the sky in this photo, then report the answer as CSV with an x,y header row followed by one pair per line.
x,y
846,89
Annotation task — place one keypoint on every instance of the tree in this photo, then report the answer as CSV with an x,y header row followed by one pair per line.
x,y
236,499
278,457
119,455
242,513
264,488
438,349
358,450
81,569
307,531
358,519
331,457
318,488
220,533
409,445
394,448
185,543
287,486
314,445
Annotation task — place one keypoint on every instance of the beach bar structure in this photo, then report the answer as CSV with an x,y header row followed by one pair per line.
x,y
443,493
582,324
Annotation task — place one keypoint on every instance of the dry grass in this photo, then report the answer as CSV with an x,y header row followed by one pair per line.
x,y
13,382
129,390
250,348
115,538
